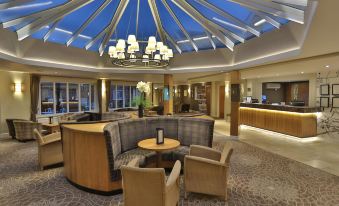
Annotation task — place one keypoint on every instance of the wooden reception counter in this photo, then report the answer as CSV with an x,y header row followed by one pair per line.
x,y
290,120
85,158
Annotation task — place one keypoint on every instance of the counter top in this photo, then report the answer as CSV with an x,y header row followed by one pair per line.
x,y
91,128
288,108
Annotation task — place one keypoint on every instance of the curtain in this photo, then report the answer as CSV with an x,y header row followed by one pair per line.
x,y
108,93
99,92
34,89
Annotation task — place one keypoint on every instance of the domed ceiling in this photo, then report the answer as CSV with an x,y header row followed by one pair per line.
x,y
185,25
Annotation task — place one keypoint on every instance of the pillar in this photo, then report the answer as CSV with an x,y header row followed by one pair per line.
x,y
235,103
168,103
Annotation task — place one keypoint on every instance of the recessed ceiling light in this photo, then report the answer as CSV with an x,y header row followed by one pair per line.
x,y
327,66
302,72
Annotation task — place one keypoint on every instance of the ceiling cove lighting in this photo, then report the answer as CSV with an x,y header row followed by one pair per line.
x,y
262,21
128,54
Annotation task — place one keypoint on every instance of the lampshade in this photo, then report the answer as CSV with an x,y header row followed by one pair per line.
x,y
152,47
114,55
170,53
133,58
121,44
163,50
131,39
130,50
135,46
112,50
145,58
157,57
121,56
159,45
148,50
152,40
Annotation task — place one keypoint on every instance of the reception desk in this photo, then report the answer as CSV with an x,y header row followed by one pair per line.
x,y
85,158
290,120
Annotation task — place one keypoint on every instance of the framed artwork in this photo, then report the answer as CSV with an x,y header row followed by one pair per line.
x,y
324,102
325,89
335,89
335,102
160,136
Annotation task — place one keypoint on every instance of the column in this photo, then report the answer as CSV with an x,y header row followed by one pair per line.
x,y
235,102
168,103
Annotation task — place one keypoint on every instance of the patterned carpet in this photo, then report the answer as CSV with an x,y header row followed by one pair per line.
x,y
257,177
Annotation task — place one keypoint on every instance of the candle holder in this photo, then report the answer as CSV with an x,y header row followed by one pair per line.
x,y
160,136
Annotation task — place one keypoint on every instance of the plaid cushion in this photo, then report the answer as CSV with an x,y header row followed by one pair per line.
x,y
180,153
113,142
24,129
169,124
114,116
195,131
131,132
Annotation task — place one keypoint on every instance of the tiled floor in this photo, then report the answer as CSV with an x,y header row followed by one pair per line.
x,y
320,152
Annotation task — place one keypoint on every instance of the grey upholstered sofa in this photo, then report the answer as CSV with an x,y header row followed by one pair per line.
x,y
123,136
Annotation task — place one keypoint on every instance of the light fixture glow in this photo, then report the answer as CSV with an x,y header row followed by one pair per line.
x,y
17,87
262,21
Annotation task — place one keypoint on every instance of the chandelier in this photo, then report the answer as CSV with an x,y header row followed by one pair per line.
x,y
155,55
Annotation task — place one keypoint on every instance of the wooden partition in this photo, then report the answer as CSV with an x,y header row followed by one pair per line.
x,y
290,123
85,158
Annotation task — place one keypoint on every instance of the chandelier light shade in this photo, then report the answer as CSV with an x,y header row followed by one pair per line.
x,y
155,55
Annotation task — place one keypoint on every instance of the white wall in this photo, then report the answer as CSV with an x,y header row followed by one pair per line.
x,y
13,105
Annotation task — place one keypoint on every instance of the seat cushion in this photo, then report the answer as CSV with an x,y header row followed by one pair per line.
x,y
131,132
145,157
169,124
112,137
195,131
180,153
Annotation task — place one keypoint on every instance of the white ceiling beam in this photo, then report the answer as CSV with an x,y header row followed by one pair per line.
x,y
293,2
96,38
204,22
180,25
210,39
88,21
173,42
113,25
155,13
273,8
51,30
10,4
34,26
226,15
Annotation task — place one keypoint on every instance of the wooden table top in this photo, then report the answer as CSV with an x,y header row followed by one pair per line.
x,y
151,144
91,128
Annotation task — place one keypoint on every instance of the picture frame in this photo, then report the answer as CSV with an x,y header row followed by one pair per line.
x,y
335,89
335,102
160,136
324,102
325,89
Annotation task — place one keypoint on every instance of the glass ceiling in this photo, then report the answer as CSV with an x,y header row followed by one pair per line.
x,y
236,21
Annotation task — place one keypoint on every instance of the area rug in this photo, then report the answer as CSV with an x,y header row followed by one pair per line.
x,y
257,177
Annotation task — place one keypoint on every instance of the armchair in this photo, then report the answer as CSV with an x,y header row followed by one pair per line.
x,y
10,124
49,149
148,186
24,129
206,170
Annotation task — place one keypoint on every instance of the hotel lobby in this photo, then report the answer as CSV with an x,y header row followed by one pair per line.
x,y
169,102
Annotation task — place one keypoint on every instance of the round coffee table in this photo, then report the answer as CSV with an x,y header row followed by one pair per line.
x,y
151,144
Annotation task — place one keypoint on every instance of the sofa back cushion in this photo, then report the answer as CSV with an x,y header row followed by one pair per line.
x,y
169,124
114,116
131,132
113,142
195,131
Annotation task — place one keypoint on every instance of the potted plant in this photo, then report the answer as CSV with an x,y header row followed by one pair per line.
x,y
140,100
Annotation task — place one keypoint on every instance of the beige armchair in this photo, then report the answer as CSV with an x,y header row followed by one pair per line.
x,y
148,186
24,129
49,149
206,170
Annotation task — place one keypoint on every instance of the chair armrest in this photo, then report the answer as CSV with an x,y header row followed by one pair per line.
x,y
205,161
55,137
175,173
204,152
134,163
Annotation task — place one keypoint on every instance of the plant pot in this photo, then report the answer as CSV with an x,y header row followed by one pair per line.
x,y
141,111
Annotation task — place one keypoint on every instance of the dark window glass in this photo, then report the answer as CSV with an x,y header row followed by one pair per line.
x,y
73,97
92,97
127,96
112,103
84,94
120,96
47,98
61,97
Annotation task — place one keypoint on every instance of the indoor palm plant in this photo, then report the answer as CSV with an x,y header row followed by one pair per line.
x,y
140,100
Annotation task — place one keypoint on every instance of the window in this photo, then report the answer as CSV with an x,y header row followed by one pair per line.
x,y
47,98
61,97
122,96
58,98
85,95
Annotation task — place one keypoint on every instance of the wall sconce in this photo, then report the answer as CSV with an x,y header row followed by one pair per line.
x,y
17,87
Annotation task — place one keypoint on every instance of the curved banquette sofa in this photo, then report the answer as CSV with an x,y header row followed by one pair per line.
x,y
122,138
94,152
